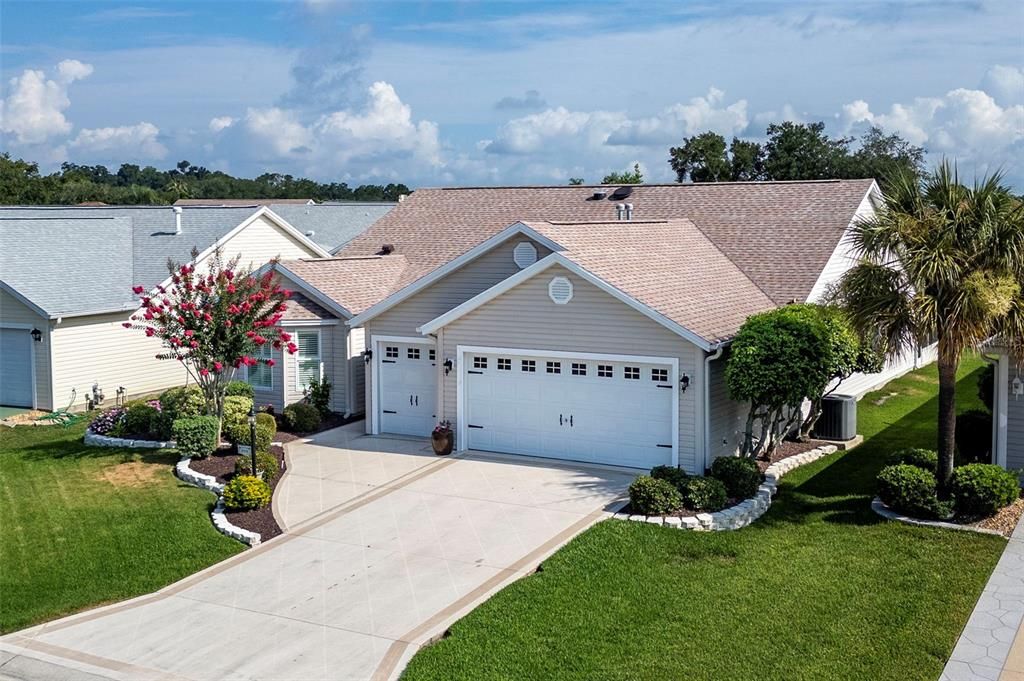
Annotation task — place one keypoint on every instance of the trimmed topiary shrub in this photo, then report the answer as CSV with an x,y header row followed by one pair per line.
x,y
142,419
236,409
244,493
266,464
239,389
267,421
183,402
925,459
911,490
973,437
705,494
196,436
301,417
653,496
677,477
981,489
239,433
741,476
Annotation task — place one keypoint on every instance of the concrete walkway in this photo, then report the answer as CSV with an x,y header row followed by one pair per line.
x,y
991,647
386,546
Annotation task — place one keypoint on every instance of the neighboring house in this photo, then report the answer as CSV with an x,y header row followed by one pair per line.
x,y
1007,406
585,323
65,290
244,202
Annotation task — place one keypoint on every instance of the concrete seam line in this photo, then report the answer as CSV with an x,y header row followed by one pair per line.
x,y
93,660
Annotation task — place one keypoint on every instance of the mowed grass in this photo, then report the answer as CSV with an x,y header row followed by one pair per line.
x,y
819,588
81,526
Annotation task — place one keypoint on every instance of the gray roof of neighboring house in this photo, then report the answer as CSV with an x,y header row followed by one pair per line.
x,y
333,224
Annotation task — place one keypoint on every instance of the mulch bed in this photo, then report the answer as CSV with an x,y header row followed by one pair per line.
x,y
222,466
333,421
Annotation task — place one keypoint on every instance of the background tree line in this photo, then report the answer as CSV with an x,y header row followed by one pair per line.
x,y
22,183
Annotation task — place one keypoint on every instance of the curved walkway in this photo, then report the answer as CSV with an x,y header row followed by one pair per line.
x,y
386,546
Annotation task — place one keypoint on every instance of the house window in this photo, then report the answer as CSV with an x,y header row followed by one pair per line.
x,y
479,362
261,376
632,372
554,367
412,353
504,364
529,366
307,359
605,371
391,352
431,354
660,375
579,369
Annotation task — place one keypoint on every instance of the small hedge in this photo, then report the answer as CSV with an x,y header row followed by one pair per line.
x,y
196,436
973,437
654,496
142,418
266,465
183,402
239,389
705,494
239,433
244,493
301,417
925,459
911,490
740,476
981,489
236,408
267,421
677,477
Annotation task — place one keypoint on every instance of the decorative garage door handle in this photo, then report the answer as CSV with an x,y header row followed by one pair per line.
x,y
417,400
559,419
388,411
570,420
410,400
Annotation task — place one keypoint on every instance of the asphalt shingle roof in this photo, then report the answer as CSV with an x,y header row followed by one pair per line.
x,y
333,224
354,283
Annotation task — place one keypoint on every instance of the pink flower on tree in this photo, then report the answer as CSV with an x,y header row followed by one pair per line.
x,y
137,289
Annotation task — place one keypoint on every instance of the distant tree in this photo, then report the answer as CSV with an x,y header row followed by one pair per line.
x,y
799,151
884,157
21,183
747,160
701,158
628,177
575,180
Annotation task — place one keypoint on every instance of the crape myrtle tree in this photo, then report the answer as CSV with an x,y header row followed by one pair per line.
x,y
939,261
214,323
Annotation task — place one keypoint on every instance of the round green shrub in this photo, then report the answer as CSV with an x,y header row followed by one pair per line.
x,y
266,465
301,417
981,489
240,433
973,437
183,402
705,494
267,421
925,459
239,389
652,496
677,477
141,419
244,493
236,408
196,436
911,490
740,476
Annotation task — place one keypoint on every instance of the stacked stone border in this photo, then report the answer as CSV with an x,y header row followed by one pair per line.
x,y
96,440
880,507
745,512
220,519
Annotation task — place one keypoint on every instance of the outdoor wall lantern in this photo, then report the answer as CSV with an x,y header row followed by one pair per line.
x,y
367,355
448,366
684,383
37,335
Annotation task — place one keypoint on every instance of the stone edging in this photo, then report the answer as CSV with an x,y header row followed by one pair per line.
x,y
220,519
745,512
880,507
95,440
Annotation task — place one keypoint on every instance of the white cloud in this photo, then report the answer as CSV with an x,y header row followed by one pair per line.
x,y
683,120
122,142
33,110
1006,83
554,129
219,123
279,129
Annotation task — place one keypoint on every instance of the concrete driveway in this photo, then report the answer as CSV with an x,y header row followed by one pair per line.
x,y
385,546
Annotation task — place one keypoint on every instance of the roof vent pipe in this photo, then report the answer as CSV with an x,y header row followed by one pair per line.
x,y
629,211
620,211
177,219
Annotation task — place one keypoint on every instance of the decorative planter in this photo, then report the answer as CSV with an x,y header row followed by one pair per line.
x,y
442,443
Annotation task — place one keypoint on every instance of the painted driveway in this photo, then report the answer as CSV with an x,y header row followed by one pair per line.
x,y
386,546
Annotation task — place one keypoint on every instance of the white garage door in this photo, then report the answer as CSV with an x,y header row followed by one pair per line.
x,y
408,388
15,368
595,410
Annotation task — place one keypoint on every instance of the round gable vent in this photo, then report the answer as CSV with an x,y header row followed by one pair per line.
x,y
560,290
524,254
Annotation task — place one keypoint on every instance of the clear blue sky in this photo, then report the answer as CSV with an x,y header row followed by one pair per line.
x,y
497,92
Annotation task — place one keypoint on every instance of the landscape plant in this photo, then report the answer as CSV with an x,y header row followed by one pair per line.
x,y
911,490
672,474
266,466
705,494
196,436
652,496
980,489
973,437
301,417
246,492
106,422
741,477
318,394
926,459
239,389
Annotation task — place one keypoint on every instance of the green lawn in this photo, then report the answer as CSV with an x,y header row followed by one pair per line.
x,y
81,526
819,588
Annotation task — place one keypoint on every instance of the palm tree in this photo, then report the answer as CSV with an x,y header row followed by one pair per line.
x,y
939,261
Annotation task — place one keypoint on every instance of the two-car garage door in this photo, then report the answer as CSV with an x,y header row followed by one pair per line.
x,y
611,411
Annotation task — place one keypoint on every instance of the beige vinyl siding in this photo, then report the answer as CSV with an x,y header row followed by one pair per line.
x,y
728,417
332,357
14,312
451,291
98,349
1014,418
593,322
262,241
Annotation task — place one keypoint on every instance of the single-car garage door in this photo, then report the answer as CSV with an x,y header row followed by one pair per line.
x,y
15,368
408,388
583,409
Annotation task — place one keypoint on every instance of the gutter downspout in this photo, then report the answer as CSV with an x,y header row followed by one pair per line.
x,y
707,402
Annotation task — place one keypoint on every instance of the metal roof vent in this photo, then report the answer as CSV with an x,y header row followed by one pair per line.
x,y
560,290
387,249
621,193
598,194
177,219
629,211
311,233
524,254
620,211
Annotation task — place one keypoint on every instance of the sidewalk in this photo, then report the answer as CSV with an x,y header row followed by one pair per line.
x,y
991,646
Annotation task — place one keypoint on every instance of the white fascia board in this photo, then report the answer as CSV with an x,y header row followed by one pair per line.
x,y
287,227
538,267
517,228
312,291
25,301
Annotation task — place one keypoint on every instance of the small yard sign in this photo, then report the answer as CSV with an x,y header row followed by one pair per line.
x,y
244,450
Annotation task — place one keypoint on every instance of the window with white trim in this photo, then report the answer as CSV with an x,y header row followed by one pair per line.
x,y
554,367
529,366
504,364
307,360
391,352
261,376
579,369
479,362
412,353
431,354
660,375
605,371
631,372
